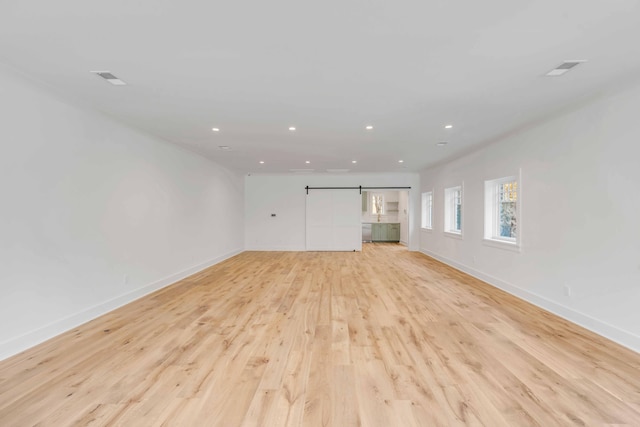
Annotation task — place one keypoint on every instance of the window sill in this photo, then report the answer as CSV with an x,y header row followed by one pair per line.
x,y
453,235
428,230
500,244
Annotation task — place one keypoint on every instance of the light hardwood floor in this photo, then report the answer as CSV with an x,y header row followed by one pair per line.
x,y
385,337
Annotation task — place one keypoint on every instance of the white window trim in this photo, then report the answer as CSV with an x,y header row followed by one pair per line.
x,y
496,242
430,227
447,214
370,204
453,235
502,244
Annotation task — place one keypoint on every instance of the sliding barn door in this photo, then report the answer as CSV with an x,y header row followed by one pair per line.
x,y
334,220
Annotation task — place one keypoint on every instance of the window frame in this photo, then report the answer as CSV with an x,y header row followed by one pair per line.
x,y
491,236
450,211
426,221
372,205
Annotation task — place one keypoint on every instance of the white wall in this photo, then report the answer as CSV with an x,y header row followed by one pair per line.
x,y
86,201
284,195
579,221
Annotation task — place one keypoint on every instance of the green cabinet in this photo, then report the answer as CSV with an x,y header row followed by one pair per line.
x,y
365,194
385,232
379,232
375,232
393,232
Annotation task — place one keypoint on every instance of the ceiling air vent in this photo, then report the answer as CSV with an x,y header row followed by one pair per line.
x,y
110,78
301,170
564,67
337,170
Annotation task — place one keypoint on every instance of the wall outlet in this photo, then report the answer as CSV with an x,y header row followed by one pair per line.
x,y
473,258
125,279
566,289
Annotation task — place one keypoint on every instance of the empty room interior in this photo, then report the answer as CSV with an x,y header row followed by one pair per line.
x,y
410,213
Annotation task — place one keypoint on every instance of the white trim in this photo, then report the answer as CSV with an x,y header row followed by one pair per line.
x,y
453,234
18,344
277,248
449,211
491,216
426,229
370,204
620,336
502,244
426,213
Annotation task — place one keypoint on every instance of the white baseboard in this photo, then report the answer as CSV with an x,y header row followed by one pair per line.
x,y
620,336
276,248
18,344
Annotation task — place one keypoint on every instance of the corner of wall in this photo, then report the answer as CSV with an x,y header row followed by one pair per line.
x,y
620,336
16,345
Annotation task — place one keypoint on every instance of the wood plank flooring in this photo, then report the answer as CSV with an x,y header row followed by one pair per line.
x,y
384,337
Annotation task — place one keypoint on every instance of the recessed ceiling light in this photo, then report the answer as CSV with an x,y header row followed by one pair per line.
x,y
262,162
441,144
307,161
109,77
448,126
215,129
564,67
354,161
292,128
400,161
369,127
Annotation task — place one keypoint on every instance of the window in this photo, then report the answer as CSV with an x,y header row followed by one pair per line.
x,y
377,204
427,210
501,210
453,210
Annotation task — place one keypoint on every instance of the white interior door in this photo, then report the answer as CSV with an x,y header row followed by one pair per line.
x,y
334,220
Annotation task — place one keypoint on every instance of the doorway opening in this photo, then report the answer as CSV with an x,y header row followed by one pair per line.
x,y
385,216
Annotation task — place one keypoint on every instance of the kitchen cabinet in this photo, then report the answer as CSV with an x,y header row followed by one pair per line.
x,y
379,232
393,232
365,194
385,232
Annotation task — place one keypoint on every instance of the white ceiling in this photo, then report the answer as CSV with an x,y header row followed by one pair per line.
x,y
329,68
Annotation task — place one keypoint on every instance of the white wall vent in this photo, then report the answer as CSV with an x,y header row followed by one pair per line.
x,y
564,67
